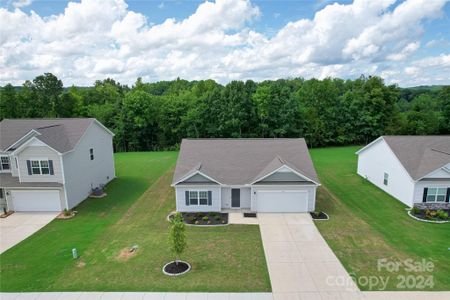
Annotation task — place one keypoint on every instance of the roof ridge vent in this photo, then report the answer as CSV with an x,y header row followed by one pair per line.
x,y
440,151
281,160
49,126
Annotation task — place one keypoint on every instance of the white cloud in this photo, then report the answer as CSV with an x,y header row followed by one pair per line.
x,y
22,3
98,38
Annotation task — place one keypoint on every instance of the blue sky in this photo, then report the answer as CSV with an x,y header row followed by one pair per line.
x,y
276,38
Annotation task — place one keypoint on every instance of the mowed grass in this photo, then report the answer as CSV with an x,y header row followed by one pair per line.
x,y
227,258
367,224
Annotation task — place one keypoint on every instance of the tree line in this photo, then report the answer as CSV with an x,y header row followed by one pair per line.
x,y
156,116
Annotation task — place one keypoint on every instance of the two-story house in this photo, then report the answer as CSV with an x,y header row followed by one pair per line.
x,y
52,164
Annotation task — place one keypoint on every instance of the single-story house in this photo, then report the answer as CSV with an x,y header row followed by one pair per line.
x,y
413,169
258,175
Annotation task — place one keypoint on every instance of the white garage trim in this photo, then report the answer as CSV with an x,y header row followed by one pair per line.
x,y
36,200
282,201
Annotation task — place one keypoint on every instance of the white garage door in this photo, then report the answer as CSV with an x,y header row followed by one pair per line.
x,y
282,201
46,200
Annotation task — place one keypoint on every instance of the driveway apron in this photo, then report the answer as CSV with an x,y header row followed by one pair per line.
x,y
20,225
301,264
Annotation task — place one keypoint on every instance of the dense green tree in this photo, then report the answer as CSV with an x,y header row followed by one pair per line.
x,y
276,109
47,89
444,104
152,116
139,120
8,102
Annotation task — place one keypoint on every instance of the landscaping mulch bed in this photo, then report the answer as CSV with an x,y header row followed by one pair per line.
x,y
174,268
63,216
423,216
7,214
321,216
205,218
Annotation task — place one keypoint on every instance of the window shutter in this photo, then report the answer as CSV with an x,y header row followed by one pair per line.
x,y
29,167
50,166
425,192
209,198
447,198
186,196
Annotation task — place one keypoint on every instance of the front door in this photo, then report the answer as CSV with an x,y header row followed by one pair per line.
x,y
235,197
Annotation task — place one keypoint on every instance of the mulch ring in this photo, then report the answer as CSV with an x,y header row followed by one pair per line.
x,y
320,216
176,268
204,218
63,216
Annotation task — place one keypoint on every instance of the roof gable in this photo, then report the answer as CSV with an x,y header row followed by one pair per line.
x,y
60,134
419,155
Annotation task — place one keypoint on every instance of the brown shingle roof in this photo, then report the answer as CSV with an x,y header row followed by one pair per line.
x,y
241,161
60,134
420,155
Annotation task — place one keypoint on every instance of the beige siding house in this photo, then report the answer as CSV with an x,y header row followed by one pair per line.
x,y
257,175
52,164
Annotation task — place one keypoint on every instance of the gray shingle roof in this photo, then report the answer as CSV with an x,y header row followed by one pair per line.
x,y
60,134
9,181
242,161
420,155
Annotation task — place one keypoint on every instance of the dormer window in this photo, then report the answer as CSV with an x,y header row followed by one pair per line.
x,y
4,163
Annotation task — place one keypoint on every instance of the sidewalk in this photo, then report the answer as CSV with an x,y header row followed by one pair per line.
x,y
135,296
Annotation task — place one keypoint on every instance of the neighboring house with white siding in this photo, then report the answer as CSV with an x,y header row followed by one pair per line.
x,y
258,175
413,169
52,164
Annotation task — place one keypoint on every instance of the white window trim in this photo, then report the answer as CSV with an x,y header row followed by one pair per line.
x,y
40,166
1,164
436,194
386,179
198,197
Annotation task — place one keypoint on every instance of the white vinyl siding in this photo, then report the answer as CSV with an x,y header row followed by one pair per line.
x,y
78,181
39,153
195,192
245,197
422,184
376,161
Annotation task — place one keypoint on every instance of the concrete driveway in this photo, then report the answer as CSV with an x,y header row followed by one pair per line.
x,y
300,263
21,225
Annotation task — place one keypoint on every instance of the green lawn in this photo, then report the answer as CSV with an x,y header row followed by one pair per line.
x,y
227,258
367,224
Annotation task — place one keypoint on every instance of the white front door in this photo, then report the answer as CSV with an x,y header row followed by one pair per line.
x,y
282,201
36,200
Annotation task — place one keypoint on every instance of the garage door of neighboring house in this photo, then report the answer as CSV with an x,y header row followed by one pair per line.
x,y
45,200
282,201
